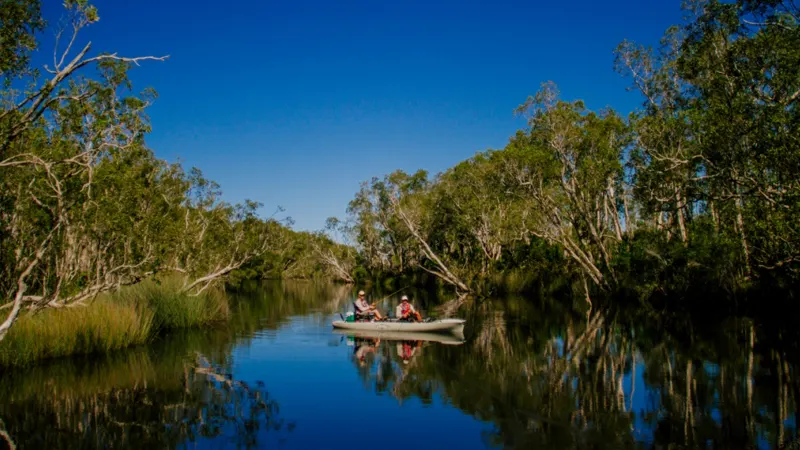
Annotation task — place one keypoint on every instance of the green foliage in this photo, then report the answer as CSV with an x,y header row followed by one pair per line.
x,y
696,193
20,20
298,255
653,267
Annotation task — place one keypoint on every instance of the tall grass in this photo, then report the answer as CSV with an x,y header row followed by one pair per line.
x,y
174,309
131,316
99,328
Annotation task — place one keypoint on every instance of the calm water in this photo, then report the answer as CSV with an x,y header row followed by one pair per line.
x,y
531,373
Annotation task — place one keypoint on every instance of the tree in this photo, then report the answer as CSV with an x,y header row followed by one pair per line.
x,y
742,61
569,164
52,137
477,212
667,164
340,260
85,207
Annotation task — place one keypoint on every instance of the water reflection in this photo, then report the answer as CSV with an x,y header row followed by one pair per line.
x,y
540,373
389,365
164,397
615,379
173,393
442,338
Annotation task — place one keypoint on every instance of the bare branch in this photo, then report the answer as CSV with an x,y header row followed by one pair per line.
x,y
22,285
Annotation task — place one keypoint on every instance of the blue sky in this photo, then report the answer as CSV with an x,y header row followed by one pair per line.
x,y
296,103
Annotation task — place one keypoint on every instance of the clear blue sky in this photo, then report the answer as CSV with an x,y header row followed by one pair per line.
x,y
295,103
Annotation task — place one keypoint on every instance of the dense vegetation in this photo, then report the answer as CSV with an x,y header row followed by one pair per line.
x,y
86,207
695,192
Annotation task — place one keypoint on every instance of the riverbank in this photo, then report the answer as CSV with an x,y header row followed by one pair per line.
x,y
132,316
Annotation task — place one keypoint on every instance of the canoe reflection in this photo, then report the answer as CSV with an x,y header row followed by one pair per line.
x,y
394,363
442,338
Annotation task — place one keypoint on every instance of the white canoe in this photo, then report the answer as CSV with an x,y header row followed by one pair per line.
x,y
437,326
450,338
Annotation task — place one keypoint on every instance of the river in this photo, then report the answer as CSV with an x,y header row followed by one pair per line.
x,y
530,373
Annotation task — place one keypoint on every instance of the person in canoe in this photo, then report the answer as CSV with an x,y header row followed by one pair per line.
x,y
406,311
364,310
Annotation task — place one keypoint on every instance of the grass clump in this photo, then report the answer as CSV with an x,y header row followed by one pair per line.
x,y
130,316
99,328
173,308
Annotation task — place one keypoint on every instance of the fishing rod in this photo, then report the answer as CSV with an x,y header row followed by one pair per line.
x,y
395,292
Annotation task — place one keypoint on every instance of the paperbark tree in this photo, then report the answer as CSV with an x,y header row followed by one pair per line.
x,y
564,164
85,207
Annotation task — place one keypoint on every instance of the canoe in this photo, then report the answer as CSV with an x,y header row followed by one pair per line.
x,y
451,338
436,326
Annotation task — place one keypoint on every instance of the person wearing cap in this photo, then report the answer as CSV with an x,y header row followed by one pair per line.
x,y
364,310
405,310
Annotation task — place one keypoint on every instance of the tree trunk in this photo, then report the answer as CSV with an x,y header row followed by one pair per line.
x,y
445,274
22,286
207,279
617,225
742,234
667,225
587,297
714,215
629,226
613,209
583,260
679,215
402,260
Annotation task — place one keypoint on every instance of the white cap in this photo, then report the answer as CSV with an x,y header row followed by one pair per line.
x,y
404,298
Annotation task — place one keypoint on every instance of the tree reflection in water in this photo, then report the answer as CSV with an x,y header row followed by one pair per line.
x,y
138,399
617,379
158,396
543,375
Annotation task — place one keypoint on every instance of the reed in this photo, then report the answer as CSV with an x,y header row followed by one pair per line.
x,y
101,327
130,316
173,308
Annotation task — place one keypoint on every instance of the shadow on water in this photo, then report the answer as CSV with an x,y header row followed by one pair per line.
x,y
541,374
